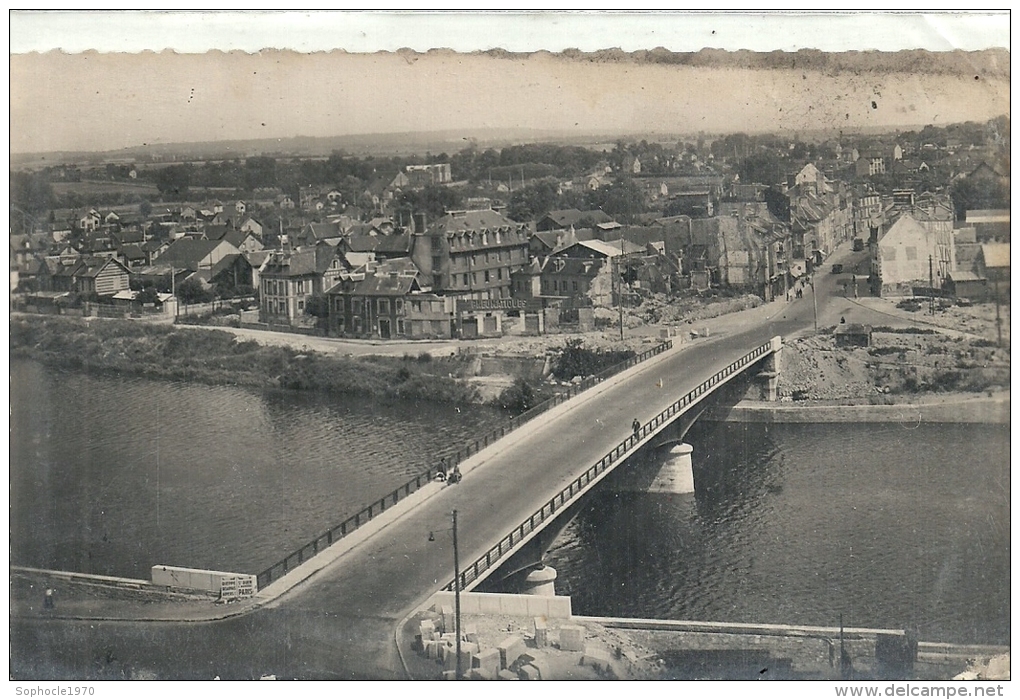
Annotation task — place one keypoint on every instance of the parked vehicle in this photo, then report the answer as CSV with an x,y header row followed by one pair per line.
x,y
837,268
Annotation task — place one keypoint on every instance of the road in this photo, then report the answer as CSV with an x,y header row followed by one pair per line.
x,y
340,623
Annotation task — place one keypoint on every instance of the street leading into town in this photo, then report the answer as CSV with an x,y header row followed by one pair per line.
x,y
341,622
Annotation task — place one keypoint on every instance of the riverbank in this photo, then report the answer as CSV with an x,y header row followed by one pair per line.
x,y
218,358
953,408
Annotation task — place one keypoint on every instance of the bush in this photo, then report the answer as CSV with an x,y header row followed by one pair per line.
x,y
518,398
575,360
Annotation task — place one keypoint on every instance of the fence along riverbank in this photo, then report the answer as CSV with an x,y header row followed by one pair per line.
x,y
447,463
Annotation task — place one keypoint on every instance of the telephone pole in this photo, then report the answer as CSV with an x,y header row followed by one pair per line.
x,y
456,589
619,282
931,289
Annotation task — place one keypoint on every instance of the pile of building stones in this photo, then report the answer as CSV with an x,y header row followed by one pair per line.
x,y
523,655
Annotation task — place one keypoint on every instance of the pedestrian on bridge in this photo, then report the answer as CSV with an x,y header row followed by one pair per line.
x,y
636,425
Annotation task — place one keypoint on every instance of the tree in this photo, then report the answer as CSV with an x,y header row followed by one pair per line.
x,y
148,295
191,291
528,203
317,306
621,199
174,180
765,168
145,208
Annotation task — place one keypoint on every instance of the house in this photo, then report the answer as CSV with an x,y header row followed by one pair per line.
x,y
102,276
89,221
577,278
990,225
433,174
877,160
289,279
373,301
133,256
470,253
196,255
563,219
253,226
315,232
902,257
244,241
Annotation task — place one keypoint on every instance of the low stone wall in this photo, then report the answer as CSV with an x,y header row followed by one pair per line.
x,y
980,410
551,607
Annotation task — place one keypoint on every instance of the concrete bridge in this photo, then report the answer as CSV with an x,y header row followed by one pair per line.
x,y
339,621
524,546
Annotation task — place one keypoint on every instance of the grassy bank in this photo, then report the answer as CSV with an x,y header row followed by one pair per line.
x,y
217,357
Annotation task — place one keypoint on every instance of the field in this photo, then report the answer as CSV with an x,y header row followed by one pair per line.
x,y
88,188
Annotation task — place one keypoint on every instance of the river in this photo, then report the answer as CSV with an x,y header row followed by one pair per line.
x,y
112,475
890,525
894,526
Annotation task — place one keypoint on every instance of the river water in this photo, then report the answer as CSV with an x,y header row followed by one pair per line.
x,y
890,525
112,475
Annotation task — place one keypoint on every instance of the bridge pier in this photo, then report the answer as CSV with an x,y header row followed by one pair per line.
x,y
541,581
674,474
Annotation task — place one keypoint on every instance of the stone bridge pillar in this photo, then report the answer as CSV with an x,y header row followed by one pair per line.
x,y
541,581
677,474
769,376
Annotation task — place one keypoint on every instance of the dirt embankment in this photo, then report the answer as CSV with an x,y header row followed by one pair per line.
x,y
899,365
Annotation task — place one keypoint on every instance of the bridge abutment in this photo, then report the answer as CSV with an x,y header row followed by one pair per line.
x,y
768,378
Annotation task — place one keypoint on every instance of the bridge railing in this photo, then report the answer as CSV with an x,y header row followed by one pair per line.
x,y
577,486
327,538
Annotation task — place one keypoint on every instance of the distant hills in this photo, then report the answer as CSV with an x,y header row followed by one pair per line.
x,y
388,144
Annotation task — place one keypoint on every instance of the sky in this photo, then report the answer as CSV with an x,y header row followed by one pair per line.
x,y
80,99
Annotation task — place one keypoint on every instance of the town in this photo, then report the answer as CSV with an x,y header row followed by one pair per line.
x,y
528,239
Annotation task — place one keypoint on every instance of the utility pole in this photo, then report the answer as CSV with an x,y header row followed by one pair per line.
x,y
931,289
814,301
998,317
456,589
619,281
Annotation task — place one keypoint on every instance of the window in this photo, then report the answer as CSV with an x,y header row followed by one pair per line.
x,y
474,278
499,273
437,262
466,282
486,257
486,275
575,285
911,252
398,305
301,305
384,306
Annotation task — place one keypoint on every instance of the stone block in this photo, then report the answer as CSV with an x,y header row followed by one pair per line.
x,y
431,649
480,674
449,637
527,672
505,675
489,660
541,632
444,650
450,675
544,669
571,638
427,627
449,619
470,632
509,649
